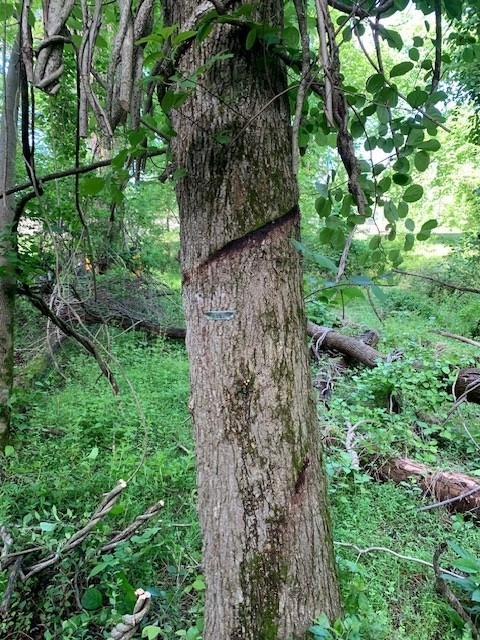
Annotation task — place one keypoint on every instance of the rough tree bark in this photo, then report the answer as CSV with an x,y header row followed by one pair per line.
x,y
267,549
8,145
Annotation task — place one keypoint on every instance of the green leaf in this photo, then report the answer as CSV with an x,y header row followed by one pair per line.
x,y
251,37
184,35
168,101
453,8
374,242
320,259
8,451
378,292
151,632
199,584
410,224
47,526
429,225
179,173
223,138
475,596
401,178
375,83
390,211
409,242
402,209
333,222
388,95
385,184
360,281
393,255
346,205
369,110
430,145
402,165
92,186
323,206
417,97
93,455
357,128
421,160
92,599
415,136
291,36
401,69
413,193
350,293
204,30
6,11
383,114
393,38
414,54
437,96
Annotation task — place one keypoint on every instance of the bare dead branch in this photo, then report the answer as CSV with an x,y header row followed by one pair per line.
x,y
45,310
52,558
455,336
443,283
400,556
438,46
443,503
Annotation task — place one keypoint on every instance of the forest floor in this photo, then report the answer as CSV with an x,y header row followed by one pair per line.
x,y
73,441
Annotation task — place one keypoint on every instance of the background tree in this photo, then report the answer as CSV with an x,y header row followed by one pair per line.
x,y
8,146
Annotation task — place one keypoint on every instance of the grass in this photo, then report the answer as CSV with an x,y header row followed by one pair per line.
x,y
73,441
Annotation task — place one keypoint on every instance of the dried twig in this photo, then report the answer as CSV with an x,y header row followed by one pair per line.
x,y
442,283
455,336
450,500
350,442
361,552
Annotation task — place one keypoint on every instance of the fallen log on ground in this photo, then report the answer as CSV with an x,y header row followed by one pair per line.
x,y
467,385
453,490
353,348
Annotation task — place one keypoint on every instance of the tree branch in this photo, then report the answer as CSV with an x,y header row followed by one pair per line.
x,y
443,283
45,310
73,171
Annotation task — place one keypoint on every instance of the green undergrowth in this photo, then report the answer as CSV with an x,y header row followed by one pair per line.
x,y
74,440
394,597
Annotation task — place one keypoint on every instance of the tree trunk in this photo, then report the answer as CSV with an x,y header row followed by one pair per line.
x,y
8,145
267,548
